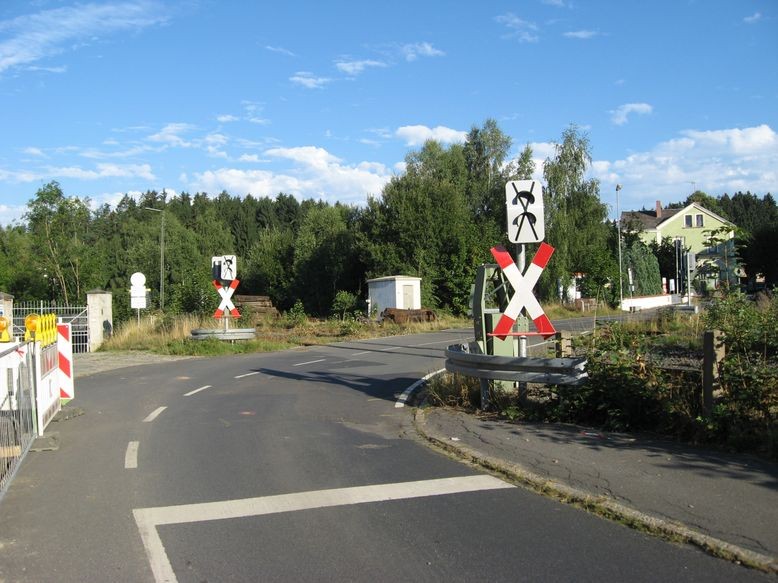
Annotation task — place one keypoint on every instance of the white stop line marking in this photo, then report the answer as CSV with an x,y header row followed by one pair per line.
x,y
148,519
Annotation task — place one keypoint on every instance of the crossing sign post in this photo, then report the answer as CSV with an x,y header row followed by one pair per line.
x,y
523,298
223,271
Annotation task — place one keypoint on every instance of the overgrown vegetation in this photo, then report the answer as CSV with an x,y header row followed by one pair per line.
x,y
172,334
646,376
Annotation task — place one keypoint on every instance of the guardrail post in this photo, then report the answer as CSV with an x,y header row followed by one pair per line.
x,y
713,353
564,344
521,385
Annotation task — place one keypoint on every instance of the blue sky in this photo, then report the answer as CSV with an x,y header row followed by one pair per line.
x,y
325,99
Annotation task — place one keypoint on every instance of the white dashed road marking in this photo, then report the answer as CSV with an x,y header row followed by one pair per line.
x,y
148,519
190,393
154,415
248,374
309,362
131,455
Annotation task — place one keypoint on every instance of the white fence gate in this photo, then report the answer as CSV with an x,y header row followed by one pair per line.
x,y
76,316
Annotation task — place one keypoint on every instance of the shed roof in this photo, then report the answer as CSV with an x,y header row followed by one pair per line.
x,y
394,277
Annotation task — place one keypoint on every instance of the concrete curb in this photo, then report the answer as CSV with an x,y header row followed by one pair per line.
x,y
600,505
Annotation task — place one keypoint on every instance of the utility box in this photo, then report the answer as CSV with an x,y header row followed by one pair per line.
x,y
394,291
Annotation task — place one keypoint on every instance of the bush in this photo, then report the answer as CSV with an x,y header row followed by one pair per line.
x,y
638,381
345,304
296,315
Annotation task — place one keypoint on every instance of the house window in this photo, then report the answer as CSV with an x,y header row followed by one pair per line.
x,y
699,222
687,221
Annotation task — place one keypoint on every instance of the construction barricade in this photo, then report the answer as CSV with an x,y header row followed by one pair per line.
x,y
36,378
17,407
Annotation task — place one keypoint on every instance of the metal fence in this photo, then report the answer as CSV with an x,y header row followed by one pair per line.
x,y
76,316
17,414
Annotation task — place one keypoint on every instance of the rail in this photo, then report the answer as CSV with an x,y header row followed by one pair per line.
x,y
548,371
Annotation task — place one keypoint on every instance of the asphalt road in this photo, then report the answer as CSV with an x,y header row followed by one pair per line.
x,y
295,466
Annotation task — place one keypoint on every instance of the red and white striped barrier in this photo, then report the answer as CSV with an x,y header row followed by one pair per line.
x,y
522,286
65,354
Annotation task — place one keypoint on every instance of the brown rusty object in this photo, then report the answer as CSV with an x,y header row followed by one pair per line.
x,y
399,316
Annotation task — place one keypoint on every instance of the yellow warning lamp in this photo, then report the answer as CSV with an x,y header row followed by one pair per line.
x,y
31,324
4,336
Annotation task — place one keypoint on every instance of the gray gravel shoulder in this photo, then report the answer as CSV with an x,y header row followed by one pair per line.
x,y
96,362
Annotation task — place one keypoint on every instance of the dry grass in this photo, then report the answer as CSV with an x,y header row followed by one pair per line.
x,y
172,334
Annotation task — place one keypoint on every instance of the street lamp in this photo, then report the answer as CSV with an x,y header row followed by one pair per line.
x,y
161,258
618,218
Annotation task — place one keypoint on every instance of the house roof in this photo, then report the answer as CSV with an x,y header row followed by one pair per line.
x,y
649,221
394,278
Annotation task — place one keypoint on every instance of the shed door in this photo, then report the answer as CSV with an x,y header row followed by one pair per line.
x,y
407,297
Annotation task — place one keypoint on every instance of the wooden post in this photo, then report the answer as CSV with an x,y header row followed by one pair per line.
x,y
713,354
564,344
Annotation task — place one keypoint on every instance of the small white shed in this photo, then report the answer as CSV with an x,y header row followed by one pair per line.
x,y
394,291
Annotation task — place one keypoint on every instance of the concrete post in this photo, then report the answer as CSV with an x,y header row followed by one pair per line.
x,y
100,306
713,353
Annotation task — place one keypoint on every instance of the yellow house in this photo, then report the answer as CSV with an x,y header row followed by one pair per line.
x,y
693,226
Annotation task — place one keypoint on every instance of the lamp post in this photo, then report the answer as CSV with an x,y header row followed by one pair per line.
x,y
618,219
161,258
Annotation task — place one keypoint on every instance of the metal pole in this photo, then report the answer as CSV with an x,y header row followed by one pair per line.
x,y
522,385
618,223
162,265
688,279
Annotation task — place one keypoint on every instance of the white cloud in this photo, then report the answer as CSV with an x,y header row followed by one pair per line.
x,y
18,176
104,171
311,156
44,34
418,134
95,154
226,118
11,214
354,68
307,79
216,139
717,161
755,17
524,30
250,158
314,173
559,3
169,135
32,151
61,69
413,51
280,50
621,113
581,34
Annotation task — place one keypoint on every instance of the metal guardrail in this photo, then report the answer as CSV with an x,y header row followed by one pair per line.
x,y
221,334
549,371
